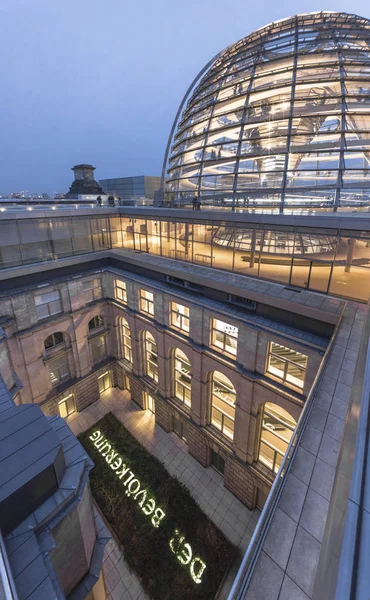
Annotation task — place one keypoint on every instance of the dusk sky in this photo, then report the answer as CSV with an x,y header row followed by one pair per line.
x,y
87,81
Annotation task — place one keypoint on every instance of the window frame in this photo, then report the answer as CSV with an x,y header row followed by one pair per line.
x,y
96,318
59,379
64,400
276,451
287,362
148,361
96,291
224,415
146,302
176,381
93,342
48,304
215,331
174,314
126,340
58,345
123,289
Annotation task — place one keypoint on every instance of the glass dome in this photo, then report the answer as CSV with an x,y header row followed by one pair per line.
x,y
279,120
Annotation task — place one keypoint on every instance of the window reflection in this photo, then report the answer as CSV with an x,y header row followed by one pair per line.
x,y
222,404
276,432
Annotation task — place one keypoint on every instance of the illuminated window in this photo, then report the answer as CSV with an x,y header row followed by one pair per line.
x,y
92,290
126,340
98,348
149,402
55,339
96,322
48,304
286,364
276,432
179,317
224,337
59,369
146,302
67,406
120,291
222,404
104,382
182,377
150,357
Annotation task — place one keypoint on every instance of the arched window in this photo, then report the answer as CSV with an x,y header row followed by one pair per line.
x,y
222,404
150,356
276,431
53,340
182,377
126,340
96,322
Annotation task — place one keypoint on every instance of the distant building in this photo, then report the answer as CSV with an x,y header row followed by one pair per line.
x,y
127,188
84,183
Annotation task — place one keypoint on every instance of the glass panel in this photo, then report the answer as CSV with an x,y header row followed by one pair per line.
x,y
81,235
300,273
295,375
63,410
216,418
319,277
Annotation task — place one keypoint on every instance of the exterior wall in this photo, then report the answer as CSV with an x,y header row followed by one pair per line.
x,y
247,371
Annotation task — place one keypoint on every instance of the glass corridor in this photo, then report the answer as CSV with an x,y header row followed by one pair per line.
x,y
325,260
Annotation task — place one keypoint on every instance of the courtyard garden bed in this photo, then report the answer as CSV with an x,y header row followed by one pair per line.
x,y
175,550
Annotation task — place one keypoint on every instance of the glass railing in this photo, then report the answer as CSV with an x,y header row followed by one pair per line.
x,y
321,258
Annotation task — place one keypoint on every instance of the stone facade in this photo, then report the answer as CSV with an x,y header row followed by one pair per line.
x,y
93,297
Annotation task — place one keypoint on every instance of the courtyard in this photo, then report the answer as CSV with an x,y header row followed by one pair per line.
x,y
234,519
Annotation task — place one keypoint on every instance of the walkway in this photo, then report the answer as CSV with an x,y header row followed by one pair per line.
x,y
234,519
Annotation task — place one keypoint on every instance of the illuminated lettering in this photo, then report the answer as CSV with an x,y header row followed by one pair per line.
x,y
144,497
159,514
149,507
178,545
176,541
130,491
184,553
112,455
123,472
128,479
100,443
131,482
117,464
197,576
109,449
95,436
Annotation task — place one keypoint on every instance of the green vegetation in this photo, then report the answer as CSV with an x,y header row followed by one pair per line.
x,y
146,546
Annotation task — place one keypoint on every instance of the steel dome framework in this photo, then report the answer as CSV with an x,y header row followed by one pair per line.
x,y
280,119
